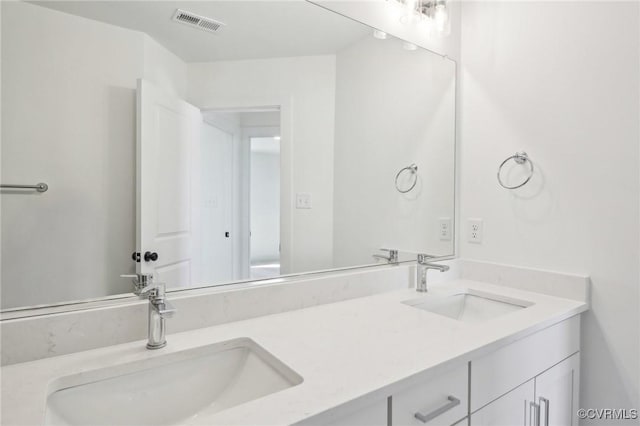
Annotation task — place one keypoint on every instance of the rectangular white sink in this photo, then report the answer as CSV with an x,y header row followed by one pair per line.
x,y
468,305
170,389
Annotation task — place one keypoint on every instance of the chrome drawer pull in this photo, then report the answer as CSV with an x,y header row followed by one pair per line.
x,y
535,409
424,418
545,401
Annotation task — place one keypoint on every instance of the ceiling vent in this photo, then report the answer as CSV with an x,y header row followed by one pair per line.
x,y
197,21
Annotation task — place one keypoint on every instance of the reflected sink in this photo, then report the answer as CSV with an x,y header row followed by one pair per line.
x,y
469,305
169,389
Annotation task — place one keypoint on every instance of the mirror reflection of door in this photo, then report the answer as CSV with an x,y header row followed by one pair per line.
x,y
216,165
264,206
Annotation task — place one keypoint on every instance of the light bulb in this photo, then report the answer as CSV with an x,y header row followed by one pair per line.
x,y
441,19
409,12
410,6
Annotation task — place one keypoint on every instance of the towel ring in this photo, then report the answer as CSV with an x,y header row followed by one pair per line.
x,y
414,172
519,158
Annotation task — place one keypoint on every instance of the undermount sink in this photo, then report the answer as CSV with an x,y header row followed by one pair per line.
x,y
468,305
169,389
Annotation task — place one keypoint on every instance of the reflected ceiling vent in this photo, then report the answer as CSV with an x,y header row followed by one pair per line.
x,y
197,21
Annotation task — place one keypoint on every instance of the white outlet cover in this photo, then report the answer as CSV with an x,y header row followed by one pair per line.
x,y
474,231
444,228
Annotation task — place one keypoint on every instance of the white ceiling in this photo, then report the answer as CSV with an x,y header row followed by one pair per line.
x,y
255,29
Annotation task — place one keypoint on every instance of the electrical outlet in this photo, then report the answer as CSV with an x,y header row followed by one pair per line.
x,y
444,228
303,200
474,231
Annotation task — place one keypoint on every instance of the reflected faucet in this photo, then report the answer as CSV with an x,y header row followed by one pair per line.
x,y
159,308
391,258
422,267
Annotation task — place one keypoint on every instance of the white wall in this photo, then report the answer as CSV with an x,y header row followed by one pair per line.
x,y
305,88
69,111
164,68
393,108
561,81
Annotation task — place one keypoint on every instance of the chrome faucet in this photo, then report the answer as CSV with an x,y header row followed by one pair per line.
x,y
159,308
391,258
422,267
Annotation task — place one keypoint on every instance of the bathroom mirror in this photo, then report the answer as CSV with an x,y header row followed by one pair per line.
x,y
213,142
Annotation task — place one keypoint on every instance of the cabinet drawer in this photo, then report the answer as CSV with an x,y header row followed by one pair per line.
x,y
497,373
442,400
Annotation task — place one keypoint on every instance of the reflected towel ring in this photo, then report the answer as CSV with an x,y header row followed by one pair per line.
x,y
519,158
414,172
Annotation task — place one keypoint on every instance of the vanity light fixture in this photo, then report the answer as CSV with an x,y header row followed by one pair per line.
x,y
433,14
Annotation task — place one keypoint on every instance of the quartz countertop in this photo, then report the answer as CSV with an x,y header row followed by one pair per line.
x,y
347,351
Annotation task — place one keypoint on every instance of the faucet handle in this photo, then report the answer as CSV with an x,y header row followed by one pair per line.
x,y
159,287
164,308
142,283
391,258
424,258
134,276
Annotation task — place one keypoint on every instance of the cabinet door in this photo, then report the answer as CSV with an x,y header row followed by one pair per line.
x,y
557,393
512,409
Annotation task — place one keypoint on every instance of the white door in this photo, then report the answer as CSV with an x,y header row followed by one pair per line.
x,y
512,409
216,163
167,144
557,393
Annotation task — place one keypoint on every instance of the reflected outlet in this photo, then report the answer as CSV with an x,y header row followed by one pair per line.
x,y
444,228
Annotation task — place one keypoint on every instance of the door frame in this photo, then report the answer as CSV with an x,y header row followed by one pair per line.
x,y
285,105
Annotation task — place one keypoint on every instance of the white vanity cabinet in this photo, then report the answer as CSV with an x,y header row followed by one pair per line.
x,y
532,381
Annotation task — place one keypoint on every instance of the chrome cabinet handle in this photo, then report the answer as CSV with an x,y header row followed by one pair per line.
x,y
424,418
545,401
535,409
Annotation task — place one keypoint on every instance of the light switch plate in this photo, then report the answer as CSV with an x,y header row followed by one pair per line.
x,y
303,200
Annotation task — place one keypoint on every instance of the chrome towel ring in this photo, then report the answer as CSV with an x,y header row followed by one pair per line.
x,y
519,158
413,169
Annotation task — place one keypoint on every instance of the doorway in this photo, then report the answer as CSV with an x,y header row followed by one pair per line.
x,y
264,211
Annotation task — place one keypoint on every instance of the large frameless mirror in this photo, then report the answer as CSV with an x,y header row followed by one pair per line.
x,y
213,142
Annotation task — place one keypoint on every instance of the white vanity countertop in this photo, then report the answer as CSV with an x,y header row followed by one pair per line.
x,y
345,351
